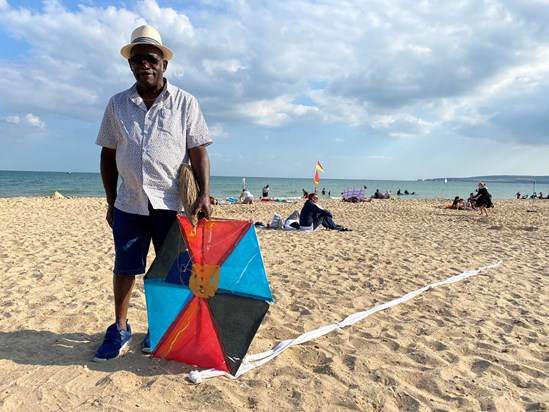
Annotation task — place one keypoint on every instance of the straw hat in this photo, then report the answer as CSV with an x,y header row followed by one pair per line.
x,y
146,35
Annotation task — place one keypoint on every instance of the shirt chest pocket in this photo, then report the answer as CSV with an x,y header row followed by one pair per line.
x,y
169,122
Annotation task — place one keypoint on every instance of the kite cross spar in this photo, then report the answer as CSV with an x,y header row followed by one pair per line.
x,y
252,361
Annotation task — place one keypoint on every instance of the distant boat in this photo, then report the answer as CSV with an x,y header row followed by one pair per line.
x,y
445,180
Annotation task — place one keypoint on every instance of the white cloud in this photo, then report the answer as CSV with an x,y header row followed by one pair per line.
x,y
34,121
216,130
229,65
13,119
380,157
403,125
28,120
275,112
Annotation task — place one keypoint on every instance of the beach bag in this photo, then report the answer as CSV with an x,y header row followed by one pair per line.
x,y
277,222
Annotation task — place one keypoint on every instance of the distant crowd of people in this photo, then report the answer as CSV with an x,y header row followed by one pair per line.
x,y
532,196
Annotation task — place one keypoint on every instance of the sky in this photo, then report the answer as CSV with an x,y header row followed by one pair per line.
x,y
373,89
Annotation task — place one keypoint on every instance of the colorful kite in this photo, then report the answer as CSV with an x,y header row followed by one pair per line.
x,y
207,293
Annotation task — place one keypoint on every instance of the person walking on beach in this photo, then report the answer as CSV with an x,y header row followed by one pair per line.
x,y
147,132
483,199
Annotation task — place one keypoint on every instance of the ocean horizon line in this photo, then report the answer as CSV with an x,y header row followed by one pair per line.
x,y
508,178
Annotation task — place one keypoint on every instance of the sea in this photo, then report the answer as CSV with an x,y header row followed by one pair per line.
x,y
74,184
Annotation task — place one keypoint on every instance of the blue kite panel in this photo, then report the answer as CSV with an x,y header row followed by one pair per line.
x,y
243,273
164,303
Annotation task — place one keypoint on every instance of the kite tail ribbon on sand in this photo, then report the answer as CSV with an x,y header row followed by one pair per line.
x,y
253,361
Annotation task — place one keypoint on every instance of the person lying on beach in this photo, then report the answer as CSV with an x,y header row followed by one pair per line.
x,y
314,215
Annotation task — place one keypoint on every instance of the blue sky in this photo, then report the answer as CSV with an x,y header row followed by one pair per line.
x,y
385,89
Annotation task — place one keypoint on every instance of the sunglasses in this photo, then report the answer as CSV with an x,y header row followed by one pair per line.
x,y
140,58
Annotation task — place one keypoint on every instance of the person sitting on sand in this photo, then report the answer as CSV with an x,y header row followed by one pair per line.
x,y
458,203
471,202
377,195
246,197
313,215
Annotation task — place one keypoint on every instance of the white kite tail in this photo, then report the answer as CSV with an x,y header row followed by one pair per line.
x,y
253,361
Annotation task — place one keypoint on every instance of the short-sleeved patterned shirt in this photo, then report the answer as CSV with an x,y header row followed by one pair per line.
x,y
151,145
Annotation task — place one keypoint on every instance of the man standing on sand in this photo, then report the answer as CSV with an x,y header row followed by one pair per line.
x,y
147,132
265,192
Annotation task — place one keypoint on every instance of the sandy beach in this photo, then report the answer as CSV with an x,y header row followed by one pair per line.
x,y
477,345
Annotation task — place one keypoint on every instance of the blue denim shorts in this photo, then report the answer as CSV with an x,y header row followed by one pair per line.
x,y
132,238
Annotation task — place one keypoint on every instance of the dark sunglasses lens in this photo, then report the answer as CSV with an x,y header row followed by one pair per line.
x,y
140,59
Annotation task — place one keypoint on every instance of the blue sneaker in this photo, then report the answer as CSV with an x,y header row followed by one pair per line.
x,y
146,344
116,343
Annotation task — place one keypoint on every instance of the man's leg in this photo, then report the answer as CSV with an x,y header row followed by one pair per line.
x,y
131,239
161,223
317,220
122,287
328,223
